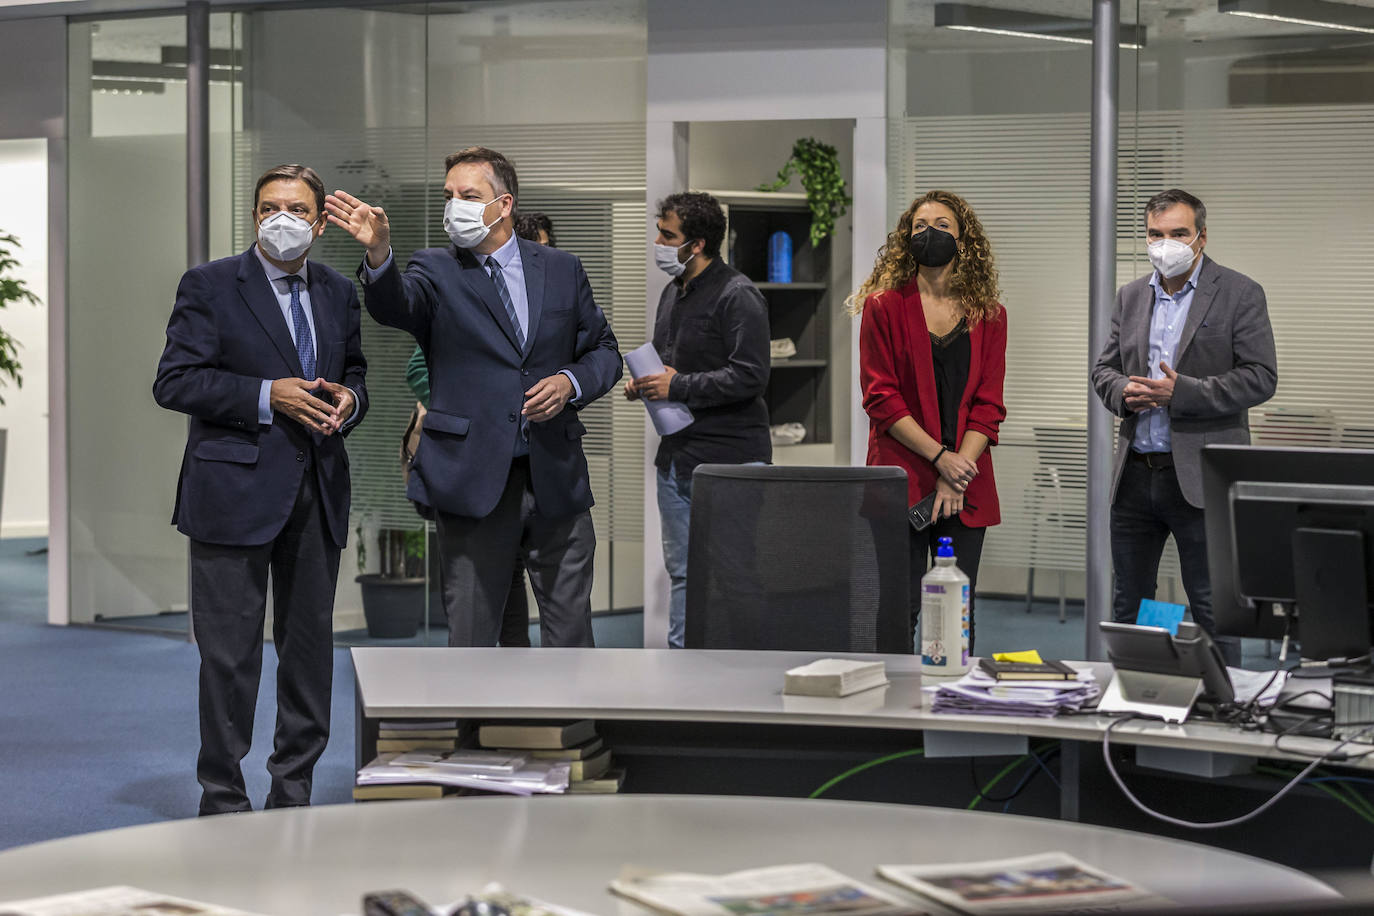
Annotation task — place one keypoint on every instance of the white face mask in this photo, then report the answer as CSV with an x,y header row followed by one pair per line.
x,y
1171,257
665,256
284,237
464,223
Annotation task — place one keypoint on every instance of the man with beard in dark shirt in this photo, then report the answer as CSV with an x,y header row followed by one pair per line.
x,y
711,332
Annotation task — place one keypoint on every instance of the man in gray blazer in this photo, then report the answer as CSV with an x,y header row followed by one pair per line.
x,y
1190,351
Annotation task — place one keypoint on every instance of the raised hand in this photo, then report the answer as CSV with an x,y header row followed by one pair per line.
x,y
366,223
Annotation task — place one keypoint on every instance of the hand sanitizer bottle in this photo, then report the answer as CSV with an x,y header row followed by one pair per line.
x,y
944,615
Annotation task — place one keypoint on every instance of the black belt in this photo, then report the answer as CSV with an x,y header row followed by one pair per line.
x,y
1155,461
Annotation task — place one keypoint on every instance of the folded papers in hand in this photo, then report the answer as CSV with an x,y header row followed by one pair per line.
x,y
834,677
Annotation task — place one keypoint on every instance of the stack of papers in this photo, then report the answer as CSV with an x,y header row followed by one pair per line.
x,y
979,693
492,772
834,677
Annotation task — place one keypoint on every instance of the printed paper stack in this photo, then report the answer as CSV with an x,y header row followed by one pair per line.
x,y
979,693
573,743
512,774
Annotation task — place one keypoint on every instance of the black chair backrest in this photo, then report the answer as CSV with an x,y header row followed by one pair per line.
x,y
799,558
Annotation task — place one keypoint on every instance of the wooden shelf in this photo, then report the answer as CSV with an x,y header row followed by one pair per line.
x,y
794,363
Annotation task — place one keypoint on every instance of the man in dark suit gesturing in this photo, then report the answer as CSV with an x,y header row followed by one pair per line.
x,y
264,354
512,337
1191,349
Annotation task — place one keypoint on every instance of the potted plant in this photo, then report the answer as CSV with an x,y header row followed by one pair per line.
x,y
818,166
393,597
12,289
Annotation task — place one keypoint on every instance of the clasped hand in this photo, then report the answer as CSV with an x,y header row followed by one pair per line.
x,y
299,400
1148,393
956,470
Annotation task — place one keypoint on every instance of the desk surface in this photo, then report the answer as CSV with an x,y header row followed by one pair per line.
x,y
567,849
726,686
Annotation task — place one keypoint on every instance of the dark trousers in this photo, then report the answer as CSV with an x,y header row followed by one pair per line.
x,y
968,552
228,606
477,557
515,617
1149,507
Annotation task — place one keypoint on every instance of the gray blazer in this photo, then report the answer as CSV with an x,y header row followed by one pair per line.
x,y
1225,364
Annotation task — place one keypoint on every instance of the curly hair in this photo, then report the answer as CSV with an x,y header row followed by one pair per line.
x,y
974,278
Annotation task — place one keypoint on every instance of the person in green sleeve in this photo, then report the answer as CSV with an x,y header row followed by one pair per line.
x,y
515,619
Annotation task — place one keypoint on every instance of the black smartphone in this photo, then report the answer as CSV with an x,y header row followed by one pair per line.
x,y
920,514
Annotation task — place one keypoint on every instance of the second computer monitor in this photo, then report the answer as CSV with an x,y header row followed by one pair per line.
x,y
1292,529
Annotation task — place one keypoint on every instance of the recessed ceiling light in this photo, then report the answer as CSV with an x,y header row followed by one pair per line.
x,y
965,18
1321,14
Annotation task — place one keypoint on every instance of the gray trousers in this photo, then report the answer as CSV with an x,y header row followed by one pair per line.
x,y
477,559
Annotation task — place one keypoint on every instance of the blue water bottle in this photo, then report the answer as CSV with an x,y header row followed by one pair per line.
x,y
780,257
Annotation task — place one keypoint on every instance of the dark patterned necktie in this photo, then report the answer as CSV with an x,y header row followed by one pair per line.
x,y
305,347
495,270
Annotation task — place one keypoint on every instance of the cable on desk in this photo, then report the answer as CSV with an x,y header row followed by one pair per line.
x,y
828,784
1196,825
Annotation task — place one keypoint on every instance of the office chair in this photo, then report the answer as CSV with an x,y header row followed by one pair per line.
x,y
1057,497
800,558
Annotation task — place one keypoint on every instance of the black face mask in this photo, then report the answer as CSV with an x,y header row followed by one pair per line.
x,y
933,247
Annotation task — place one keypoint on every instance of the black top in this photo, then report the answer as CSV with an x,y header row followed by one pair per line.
x,y
714,331
951,355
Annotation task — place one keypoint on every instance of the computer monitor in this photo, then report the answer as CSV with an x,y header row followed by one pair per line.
x,y
1290,545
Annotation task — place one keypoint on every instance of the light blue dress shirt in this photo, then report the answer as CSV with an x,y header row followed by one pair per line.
x,y
1167,319
276,278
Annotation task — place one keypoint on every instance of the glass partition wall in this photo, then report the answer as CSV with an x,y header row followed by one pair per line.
x,y
126,251
1268,122
558,88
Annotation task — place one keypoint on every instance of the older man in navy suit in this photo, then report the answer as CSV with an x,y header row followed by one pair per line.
x,y
513,339
264,354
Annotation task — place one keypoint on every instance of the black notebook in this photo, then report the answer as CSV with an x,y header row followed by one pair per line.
x,y
1028,671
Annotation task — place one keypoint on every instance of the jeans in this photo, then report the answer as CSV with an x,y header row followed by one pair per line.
x,y
1149,506
675,519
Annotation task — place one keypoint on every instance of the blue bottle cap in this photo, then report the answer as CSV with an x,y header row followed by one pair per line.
x,y
945,548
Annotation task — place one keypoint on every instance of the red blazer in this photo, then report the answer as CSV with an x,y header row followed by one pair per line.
x,y
898,380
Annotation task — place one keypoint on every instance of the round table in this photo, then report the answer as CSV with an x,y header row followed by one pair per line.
x,y
566,849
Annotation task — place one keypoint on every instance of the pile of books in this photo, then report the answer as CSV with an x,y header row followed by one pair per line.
x,y
574,743
400,736
996,688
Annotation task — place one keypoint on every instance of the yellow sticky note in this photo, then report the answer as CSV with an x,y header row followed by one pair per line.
x,y
1030,655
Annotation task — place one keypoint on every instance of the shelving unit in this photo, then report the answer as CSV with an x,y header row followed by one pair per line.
x,y
798,386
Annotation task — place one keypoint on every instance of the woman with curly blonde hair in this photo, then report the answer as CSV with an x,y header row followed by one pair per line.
x,y
932,358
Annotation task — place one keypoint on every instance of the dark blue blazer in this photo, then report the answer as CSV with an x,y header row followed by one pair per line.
x,y
478,375
239,479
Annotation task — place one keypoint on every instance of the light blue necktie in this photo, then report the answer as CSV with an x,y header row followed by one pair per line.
x,y
495,270
305,347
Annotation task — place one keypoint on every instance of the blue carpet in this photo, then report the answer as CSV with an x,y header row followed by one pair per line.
x,y
99,725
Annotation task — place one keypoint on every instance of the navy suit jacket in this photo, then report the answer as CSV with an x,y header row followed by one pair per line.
x,y
478,375
239,479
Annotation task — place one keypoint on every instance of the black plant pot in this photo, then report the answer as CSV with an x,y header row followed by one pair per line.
x,y
392,607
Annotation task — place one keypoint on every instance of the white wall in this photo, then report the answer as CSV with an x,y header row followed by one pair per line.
x,y
24,190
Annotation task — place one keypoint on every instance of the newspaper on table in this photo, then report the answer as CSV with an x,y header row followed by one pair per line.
x,y
115,901
797,890
495,895
1053,882
979,693
668,417
492,772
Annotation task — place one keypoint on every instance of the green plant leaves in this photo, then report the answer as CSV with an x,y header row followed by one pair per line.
x,y
818,166
12,289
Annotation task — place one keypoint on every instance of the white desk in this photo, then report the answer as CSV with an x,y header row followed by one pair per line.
x,y
302,861
726,687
